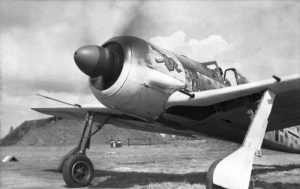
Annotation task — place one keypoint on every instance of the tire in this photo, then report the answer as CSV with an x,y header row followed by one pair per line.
x,y
64,159
78,171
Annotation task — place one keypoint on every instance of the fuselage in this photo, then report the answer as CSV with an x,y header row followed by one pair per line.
x,y
147,76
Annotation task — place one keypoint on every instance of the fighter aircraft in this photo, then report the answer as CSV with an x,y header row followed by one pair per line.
x,y
145,87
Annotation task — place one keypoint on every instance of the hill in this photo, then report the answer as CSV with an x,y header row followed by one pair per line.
x,y
53,132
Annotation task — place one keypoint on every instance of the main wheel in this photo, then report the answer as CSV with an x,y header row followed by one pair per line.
x,y
78,171
64,159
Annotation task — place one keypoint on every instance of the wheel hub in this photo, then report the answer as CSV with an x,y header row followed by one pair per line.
x,y
80,171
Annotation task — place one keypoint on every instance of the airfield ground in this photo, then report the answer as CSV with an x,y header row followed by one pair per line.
x,y
181,164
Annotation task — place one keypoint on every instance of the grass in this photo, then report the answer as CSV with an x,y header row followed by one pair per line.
x,y
182,164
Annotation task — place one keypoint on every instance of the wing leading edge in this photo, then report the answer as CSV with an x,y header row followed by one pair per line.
x,y
113,117
285,112
210,97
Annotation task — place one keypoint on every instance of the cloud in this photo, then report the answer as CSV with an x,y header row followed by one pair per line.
x,y
201,50
171,42
274,56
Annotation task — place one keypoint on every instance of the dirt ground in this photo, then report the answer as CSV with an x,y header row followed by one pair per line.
x,y
181,164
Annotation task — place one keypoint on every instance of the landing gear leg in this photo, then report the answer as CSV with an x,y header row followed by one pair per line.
x,y
234,171
78,170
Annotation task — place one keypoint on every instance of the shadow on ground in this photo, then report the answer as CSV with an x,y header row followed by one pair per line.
x,y
117,179
262,169
129,179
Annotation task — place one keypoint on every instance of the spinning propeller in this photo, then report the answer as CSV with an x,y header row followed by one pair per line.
x,y
103,64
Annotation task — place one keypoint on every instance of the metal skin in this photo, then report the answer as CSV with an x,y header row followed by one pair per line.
x,y
149,75
143,85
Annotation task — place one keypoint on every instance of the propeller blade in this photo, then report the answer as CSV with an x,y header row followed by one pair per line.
x,y
132,21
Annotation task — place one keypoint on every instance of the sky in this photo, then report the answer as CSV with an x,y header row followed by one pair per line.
x,y
38,40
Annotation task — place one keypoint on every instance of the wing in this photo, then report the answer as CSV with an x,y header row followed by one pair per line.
x,y
114,117
285,112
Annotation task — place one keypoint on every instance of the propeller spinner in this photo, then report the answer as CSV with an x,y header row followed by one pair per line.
x,y
102,64
93,60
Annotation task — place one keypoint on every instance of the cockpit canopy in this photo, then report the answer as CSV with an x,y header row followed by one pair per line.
x,y
229,77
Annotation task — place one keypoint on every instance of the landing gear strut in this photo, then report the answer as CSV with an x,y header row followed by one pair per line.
x,y
234,171
77,168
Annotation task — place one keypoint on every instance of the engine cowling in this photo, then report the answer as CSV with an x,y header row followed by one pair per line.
x,y
137,77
